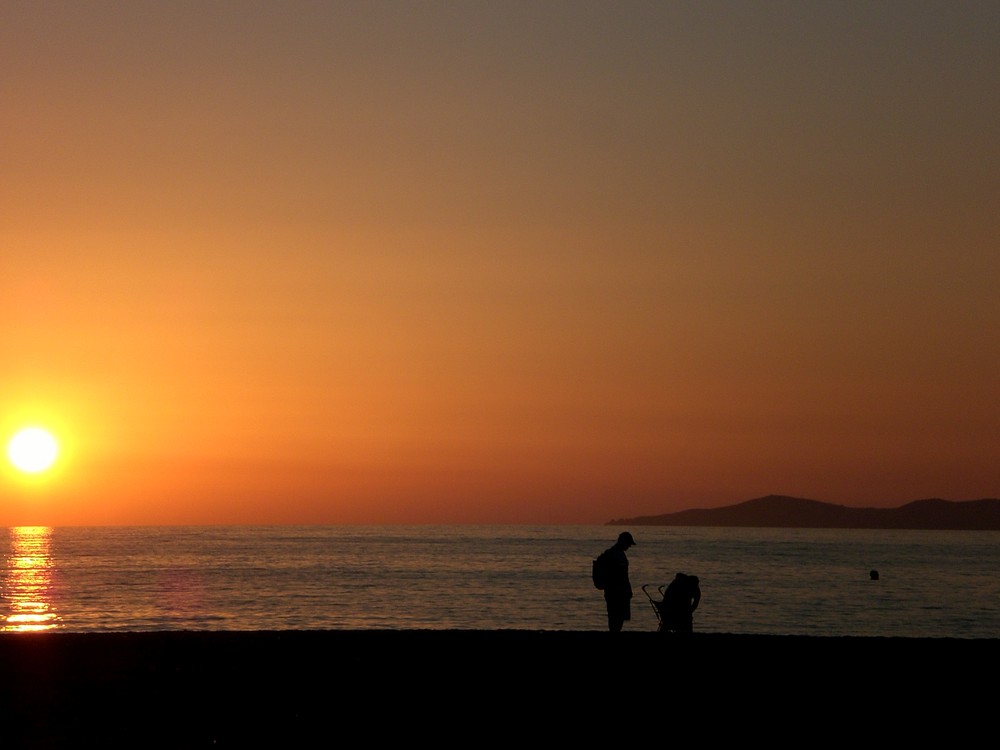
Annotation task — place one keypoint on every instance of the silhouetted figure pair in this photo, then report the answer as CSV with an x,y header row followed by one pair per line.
x,y
680,600
617,586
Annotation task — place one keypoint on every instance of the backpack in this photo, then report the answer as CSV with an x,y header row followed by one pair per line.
x,y
599,570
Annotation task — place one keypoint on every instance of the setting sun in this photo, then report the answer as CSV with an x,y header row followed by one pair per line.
x,y
33,450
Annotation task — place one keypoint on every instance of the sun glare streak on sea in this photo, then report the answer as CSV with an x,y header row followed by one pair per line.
x,y
27,581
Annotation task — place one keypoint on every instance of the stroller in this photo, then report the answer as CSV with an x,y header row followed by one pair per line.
x,y
656,604
676,605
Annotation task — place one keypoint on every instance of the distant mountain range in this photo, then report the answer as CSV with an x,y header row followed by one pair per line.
x,y
779,511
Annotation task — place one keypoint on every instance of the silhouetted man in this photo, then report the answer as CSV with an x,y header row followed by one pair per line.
x,y
618,588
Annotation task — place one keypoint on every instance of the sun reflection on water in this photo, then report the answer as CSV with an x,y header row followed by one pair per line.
x,y
28,581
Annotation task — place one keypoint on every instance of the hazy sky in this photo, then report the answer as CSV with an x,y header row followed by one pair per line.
x,y
497,262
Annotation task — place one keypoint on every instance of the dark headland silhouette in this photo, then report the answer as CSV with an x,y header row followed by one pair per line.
x,y
780,511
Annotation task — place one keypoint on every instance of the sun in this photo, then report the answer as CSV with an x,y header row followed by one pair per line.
x,y
33,450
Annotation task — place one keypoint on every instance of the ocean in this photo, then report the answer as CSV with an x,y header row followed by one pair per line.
x,y
932,584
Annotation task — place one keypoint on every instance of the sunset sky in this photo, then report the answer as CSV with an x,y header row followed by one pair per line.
x,y
496,262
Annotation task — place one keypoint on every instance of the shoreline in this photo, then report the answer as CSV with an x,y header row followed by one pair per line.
x,y
232,688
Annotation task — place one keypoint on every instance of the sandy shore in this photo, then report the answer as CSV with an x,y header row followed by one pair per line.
x,y
309,688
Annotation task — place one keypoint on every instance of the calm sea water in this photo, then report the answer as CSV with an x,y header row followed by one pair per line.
x,y
768,581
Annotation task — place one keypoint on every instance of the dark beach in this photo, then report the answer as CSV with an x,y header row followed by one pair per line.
x,y
320,688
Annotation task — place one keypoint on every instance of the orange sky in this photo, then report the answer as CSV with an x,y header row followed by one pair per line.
x,y
512,262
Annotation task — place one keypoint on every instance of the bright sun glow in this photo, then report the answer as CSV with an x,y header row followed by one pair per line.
x,y
33,450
